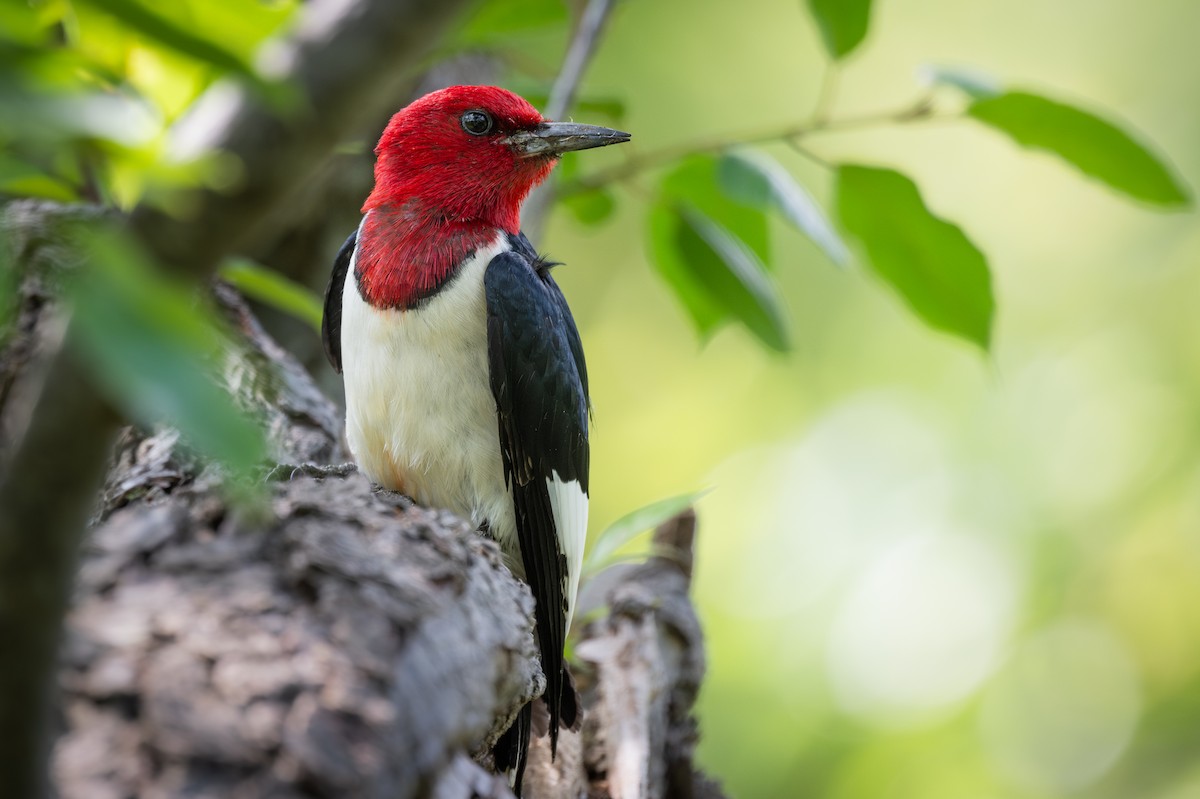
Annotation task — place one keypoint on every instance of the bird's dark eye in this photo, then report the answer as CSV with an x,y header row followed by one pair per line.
x,y
476,123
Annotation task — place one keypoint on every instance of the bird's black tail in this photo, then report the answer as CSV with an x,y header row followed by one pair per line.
x,y
512,748
568,709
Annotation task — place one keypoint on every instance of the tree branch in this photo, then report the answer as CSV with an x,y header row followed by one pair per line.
x,y
352,645
649,661
579,55
793,133
562,96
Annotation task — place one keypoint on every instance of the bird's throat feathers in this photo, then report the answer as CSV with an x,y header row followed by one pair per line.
x,y
411,243
405,255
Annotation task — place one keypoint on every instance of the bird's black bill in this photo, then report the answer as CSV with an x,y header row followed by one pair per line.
x,y
555,138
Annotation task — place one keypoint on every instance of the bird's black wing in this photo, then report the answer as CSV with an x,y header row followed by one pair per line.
x,y
538,380
331,320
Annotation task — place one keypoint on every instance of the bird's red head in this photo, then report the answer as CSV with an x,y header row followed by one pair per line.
x,y
447,151
452,169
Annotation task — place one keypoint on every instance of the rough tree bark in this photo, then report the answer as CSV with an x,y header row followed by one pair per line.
x,y
331,640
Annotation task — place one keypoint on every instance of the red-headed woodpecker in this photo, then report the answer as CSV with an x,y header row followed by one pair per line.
x,y
464,373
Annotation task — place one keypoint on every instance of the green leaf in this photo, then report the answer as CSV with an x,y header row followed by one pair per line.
x,y
591,207
20,179
756,179
742,283
271,288
973,82
155,352
496,21
20,22
696,182
587,106
1095,146
606,106
625,529
706,311
843,23
168,32
716,275
942,276
710,292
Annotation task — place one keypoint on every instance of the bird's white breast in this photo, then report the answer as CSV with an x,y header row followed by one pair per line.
x,y
420,414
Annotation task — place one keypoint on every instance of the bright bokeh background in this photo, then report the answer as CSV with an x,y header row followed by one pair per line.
x,y
924,571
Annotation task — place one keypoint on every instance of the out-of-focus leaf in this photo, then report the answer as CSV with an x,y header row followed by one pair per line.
x,y
591,207
742,180
155,352
271,288
1097,147
706,312
625,529
696,183
715,274
49,94
736,275
843,23
700,279
20,179
586,106
568,166
611,107
238,27
935,267
497,20
166,31
21,22
973,82
756,179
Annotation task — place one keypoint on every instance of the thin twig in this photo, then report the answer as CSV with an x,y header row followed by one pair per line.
x,y
792,133
562,95
809,154
825,94
579,55
919,110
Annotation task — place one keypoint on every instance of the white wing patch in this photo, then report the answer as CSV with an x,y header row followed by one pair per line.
x,y
570,506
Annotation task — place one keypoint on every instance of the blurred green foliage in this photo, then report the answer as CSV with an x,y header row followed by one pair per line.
x,y
604,547
843,23
922,573
157,351
756,179
271,288
88,90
